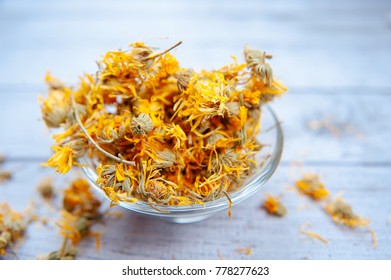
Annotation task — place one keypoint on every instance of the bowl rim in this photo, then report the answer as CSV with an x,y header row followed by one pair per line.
x,y
251,187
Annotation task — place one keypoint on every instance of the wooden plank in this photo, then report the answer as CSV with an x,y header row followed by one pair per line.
x,y
137,237
365,113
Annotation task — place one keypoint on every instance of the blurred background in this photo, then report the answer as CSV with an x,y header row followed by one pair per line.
x,y
334,56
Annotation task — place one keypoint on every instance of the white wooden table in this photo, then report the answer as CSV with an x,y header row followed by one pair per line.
x,y
335,56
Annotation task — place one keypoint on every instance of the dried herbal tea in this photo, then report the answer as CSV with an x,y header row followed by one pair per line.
x,y
274,206
12,227
158,132
80,201
342,213
311,185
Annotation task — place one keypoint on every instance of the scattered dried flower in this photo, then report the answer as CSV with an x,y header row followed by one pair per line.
x,y
5,176
80,201
141,125
273,206
311,185
12,227
342,213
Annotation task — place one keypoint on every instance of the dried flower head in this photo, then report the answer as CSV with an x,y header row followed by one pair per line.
x,y
256,60
312,186
141,125
56,107
142,53
78,145
184,79
342,213
46,188
12,227
62,160
165,159
274,206
53,83
80,201
5,176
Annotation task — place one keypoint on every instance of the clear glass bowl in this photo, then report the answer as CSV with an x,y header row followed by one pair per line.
x,y
271,136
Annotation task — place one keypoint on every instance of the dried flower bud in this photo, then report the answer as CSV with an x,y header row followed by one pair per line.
x,y
79,146
5,238
141,125
165,159
141,53
266,72
342,213
253,57
56,107
53,82
312,186
184,79
157,189
233,107
274,206
214,138
256,60
125,185
5,176
45,188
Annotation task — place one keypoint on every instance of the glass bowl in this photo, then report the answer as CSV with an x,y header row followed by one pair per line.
x,y
268,159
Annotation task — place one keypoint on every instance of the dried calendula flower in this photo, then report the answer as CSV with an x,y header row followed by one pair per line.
x,y
184,79
46,188
74,228
80,201
342,213
165,159
311,185
274,206
12,227
62,160
5,176
256,60
159,133
57,106
141,125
